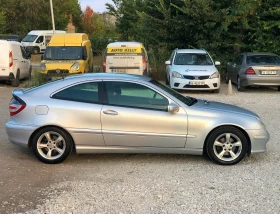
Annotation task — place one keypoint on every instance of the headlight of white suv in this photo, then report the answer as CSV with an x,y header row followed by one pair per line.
x,y
75,66
176,75
215,75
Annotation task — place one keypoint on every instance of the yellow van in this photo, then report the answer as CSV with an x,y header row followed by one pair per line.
x,y
126,57
67,54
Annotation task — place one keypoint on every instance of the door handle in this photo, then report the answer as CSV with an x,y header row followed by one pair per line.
x,y
110,112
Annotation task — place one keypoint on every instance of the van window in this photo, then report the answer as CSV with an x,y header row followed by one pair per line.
x,y
30,38
63,53
40,39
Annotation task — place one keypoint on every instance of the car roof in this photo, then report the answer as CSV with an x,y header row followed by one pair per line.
x,y
109,76
259,53
191,51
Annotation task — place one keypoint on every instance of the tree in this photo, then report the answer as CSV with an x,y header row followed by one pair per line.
x,y
2,21
87,20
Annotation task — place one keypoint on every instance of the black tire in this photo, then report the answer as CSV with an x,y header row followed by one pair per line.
x,y
239,86
226,78
278,88
15,82
221,142
58,151
166,80
35,50
29,73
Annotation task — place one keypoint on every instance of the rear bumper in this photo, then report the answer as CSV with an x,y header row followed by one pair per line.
x,y
11,76
19,134
250,80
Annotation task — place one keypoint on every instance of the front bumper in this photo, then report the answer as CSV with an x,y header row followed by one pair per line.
x,y
250,80
19,134
185,84
259,139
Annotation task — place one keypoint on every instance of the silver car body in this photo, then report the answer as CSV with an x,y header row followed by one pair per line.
x,y
95,128
266,74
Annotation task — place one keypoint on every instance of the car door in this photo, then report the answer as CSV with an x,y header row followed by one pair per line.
x,y
237,64
41,43
135,115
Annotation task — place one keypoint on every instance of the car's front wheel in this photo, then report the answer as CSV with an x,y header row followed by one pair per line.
x,y
227,145
51,145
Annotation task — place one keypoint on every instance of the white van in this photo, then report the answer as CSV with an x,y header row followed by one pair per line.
x,y
14,62
126,57
36,41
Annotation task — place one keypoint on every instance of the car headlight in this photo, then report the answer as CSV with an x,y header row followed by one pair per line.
x,y
215,75
42,67
75,66
176,75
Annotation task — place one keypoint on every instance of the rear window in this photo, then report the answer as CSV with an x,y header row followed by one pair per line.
x,y
263,59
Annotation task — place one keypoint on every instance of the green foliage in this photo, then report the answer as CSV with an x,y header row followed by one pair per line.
x,y
2,21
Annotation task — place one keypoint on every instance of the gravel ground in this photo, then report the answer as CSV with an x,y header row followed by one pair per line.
x,y
141,183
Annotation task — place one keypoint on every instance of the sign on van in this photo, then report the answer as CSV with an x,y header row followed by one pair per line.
x,y
124,51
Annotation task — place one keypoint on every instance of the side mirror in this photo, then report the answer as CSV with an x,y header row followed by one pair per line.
x,y
173,108
217,63
229,63
167,62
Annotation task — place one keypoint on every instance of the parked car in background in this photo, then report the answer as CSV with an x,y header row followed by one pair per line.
x,y
126,57
36,41
67,54
192,69
120,113
254,69
14,62
14,37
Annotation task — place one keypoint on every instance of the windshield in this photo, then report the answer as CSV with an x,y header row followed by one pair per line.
x,y
263,59
30,38
192,59
63,53
187,100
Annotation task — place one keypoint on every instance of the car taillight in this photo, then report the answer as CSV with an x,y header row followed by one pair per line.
x,y
250,71
11,59
104,64
16,107
144,64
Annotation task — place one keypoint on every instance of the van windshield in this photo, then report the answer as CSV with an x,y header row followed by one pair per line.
x,y
30,38
63,53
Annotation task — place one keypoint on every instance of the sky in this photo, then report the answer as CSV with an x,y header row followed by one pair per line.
x,y
96,5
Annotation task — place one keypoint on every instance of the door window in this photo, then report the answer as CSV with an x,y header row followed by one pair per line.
x,y
134,95
238,60
40,39
85,92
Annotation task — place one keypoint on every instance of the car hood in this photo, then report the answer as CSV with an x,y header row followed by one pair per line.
x,y
222,107
194,69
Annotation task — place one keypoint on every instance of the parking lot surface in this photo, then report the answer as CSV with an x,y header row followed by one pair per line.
x,y
145,183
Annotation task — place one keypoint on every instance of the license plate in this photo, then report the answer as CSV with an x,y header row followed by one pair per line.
x,y
268,72
118,71
197,83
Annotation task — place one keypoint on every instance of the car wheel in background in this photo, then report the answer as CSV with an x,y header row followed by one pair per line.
x,y
15,82
226,145
278,88
166,80
239,87
227,79
51,145
35,50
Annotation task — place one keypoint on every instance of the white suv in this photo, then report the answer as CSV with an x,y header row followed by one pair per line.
x,y
192,69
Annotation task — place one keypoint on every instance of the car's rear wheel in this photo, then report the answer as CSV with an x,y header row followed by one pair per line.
x,y
239,86
35,50
226,145
51,145
278,88
166,80
227,78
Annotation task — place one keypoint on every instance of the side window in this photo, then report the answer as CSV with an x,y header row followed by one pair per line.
x,y
84,52
134,95
40,39
85,92
238,60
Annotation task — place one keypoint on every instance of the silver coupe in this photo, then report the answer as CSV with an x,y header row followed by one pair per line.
x,y
120,113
